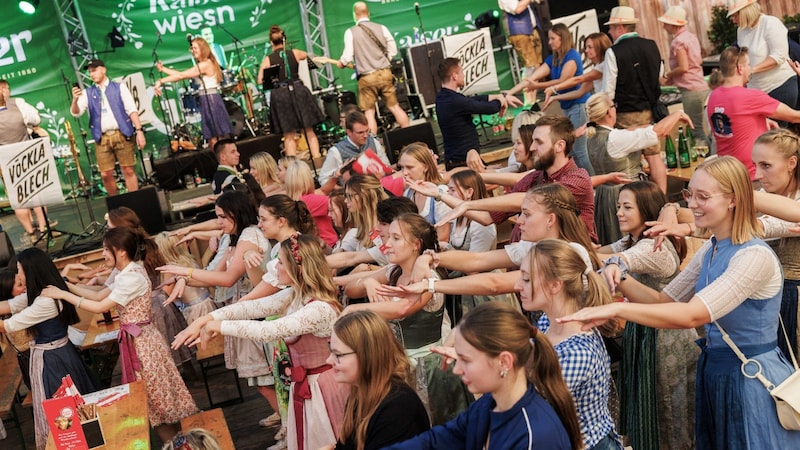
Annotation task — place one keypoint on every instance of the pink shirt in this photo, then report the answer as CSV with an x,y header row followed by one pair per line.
x,y
318,206
692,79
738,115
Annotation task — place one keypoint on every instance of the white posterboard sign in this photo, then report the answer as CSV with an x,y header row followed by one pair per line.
x,y
474,50
580,25
30,174
144,105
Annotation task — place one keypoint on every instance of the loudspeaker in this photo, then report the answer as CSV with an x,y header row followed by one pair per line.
x,y
270,143
170,171
6,249
396,139
423,60
148,203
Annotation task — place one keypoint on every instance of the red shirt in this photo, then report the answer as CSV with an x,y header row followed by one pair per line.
x,y
572,177
318,207
738,116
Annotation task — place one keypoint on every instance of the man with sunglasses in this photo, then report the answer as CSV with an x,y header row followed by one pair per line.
x,y
737,114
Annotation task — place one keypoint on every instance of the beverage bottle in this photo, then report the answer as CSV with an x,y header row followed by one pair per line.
x,y
692,144
672,155
684,160
197,180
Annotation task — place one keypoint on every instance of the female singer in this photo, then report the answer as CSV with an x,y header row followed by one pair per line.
x,y
292,106
215,118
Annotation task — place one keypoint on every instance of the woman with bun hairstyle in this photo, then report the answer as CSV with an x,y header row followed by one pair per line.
x,y
292,107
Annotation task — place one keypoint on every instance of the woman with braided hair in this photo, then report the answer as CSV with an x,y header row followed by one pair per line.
x,y
419,320
308,310
144,353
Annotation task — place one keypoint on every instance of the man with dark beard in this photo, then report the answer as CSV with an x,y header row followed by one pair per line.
x,y
552,143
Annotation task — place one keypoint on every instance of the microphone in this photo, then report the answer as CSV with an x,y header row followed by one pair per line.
x,y
189,38
416,7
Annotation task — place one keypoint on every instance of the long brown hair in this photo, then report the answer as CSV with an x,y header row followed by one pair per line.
x,y
556,260
415,228
559,200
421,152
369,191
560,53
649,200
206,53
382,363
308,270
493,328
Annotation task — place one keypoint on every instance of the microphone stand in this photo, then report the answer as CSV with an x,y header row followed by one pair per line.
x,y
238,51
427,56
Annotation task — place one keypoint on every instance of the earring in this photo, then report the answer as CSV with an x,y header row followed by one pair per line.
x,y
503,373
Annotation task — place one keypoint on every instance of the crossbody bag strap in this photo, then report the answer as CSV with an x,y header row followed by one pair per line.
x,y
375,39
788,344
759,373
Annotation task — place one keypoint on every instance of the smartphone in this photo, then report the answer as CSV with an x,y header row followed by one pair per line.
x,y
76,85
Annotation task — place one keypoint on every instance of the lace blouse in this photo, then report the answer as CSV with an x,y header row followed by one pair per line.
x,y
298,317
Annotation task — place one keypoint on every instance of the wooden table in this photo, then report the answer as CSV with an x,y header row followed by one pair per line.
x,y
125,424
684,174
98,327
215,350
212,421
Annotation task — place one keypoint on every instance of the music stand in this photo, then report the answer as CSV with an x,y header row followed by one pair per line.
x,y
271,77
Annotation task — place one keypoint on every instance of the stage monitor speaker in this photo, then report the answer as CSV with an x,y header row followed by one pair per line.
x,y
148,203
170,171
424,59
398,138
6,250
270,143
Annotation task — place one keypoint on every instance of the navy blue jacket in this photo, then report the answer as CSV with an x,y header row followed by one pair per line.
x,y
531,424
454,112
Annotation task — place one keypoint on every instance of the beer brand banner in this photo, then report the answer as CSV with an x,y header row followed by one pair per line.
x,y
30,174
474,50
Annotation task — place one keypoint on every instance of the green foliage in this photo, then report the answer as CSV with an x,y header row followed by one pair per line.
x,y
791,19
722,30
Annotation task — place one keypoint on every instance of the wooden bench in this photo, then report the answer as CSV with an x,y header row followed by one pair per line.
x,y
205,357
10,381
212,421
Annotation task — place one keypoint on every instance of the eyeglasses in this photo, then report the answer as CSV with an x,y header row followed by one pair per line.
x,y
339,355
700,199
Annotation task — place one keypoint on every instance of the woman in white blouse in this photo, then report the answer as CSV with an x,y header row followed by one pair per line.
x,y
308,311
658,366
733,283
767,42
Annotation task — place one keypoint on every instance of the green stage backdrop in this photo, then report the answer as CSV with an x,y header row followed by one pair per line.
x,y
34,56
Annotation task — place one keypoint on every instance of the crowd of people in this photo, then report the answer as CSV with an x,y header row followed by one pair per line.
x,y
383,298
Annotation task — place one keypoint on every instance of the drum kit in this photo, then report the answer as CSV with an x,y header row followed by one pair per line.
x,y
248,107
244,102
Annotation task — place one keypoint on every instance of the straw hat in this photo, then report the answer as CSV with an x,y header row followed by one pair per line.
x,y
675,15
622,15
735,6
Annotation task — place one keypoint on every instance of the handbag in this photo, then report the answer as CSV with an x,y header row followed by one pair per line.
x,y
786,394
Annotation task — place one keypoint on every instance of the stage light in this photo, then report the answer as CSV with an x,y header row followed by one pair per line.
x,y
28,6
491,19
116,38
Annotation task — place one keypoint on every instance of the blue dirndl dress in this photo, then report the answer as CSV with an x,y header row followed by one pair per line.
x,y
732,411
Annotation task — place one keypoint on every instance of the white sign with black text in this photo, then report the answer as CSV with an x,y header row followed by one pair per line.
x,y
580,25
30,174
474,50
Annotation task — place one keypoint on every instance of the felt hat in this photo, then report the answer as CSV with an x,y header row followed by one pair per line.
x,y
675,15
622,15
735,6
